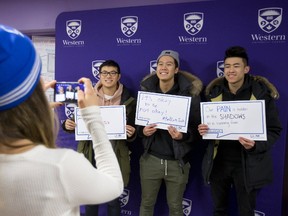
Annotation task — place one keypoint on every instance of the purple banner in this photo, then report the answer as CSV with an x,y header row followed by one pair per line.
x,y
200,32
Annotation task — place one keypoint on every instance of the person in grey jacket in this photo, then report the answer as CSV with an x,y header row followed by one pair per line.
x,y
166,152
244,163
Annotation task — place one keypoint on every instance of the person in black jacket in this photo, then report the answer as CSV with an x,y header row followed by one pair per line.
x,y
166,152
110,91
244,163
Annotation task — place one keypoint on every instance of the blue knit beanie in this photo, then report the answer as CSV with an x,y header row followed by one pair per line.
x,y
20,67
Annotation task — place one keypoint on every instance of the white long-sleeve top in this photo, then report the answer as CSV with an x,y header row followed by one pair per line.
x,y
55,182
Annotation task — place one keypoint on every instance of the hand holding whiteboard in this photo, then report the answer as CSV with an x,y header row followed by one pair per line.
x,y
114,118
228,120
163,110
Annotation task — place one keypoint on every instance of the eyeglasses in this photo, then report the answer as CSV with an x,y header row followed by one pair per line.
x,y
106,73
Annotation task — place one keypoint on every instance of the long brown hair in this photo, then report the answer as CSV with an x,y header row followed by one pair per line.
x,y
32,119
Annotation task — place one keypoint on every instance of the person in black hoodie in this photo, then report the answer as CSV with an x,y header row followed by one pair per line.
x,y
244,164
166,152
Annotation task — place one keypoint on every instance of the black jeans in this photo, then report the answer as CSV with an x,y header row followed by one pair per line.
x,y
113,209
91,210
223,177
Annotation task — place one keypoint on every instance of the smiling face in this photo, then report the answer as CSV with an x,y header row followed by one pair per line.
x,y
166,68
109,77
234,72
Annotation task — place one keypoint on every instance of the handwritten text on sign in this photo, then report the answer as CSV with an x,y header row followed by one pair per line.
x,y
114,118
163,110
231,119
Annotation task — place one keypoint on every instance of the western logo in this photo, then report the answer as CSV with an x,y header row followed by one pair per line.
x,y
95,68
269,19
153,66
220,68
187,206
69,110
124,198
129,25
193,22
73,28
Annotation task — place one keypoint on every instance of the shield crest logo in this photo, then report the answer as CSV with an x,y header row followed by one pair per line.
x,y
129,25
220,68
258,213
193,22
73,28
153,66
95,68
69,110
124,198
187,206
269,19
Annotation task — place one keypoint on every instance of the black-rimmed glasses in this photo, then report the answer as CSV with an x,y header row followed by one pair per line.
x,y
106,73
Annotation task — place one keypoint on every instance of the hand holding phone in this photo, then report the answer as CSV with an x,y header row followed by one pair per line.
x,y
87,97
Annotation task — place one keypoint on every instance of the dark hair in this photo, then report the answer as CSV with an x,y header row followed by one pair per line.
x,y
237,51
32,120
110,63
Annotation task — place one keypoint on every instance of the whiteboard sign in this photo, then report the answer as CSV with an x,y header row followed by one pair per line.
x,y
114,119
228,120
163,110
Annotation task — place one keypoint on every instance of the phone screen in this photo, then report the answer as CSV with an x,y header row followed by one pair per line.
x,y
66,92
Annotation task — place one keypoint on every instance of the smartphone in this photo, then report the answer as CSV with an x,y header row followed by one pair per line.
x,y
66,92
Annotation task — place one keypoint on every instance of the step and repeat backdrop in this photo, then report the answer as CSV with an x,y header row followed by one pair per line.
x,y
200,32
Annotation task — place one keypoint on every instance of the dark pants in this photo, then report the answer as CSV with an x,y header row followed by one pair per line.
x,y
223,177
113,209
153,172
91,210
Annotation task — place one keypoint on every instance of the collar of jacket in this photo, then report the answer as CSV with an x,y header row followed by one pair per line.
x,y
186,80
262,81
